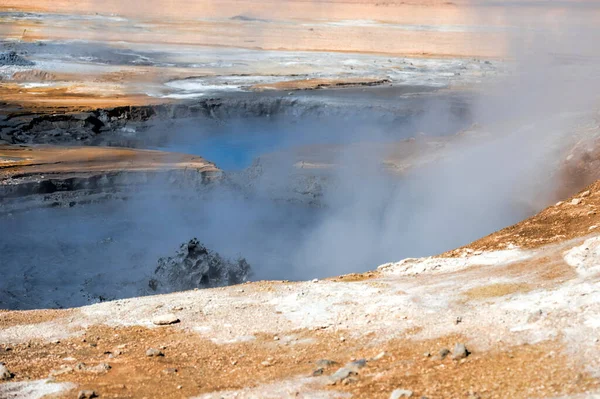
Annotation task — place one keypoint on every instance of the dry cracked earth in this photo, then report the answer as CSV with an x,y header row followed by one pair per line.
x,y
515,314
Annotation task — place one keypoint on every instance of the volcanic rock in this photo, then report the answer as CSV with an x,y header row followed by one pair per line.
x,y
4,373
11,58
460,352
195,266
87,394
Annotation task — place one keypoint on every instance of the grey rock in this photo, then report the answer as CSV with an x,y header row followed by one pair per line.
x,y
5,374
318,372
444,352
357,364
460,352
87,394
154,353
13,59
401,393
100,368
195,266
340,375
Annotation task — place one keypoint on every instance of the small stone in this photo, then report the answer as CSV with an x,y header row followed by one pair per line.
x,y
427,354
584,194
318,372
316,280
87,394
379,356
165,320
460,352
458,320
444,352
100,368
357,364
154,353
559,203
276,338
4,373
170,370
342,339
179,386
349,380
340,375
401,393
325,363
576,201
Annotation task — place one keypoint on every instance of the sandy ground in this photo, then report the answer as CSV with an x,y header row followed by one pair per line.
x,y
418,27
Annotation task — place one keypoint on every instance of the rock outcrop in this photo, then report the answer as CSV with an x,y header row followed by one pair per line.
x,y
195,266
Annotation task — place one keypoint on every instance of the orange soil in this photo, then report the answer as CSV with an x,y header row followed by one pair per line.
x,y
19,161
192,365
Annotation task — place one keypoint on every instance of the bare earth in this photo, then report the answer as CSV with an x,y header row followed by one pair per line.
x,y
21,161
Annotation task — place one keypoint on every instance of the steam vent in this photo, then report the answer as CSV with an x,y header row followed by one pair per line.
x,y
265,199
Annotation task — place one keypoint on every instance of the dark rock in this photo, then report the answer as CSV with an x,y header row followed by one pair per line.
x,y
444,352
195,266
11,58
5,374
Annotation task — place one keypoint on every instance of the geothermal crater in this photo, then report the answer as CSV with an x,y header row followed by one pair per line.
x,y
292,174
